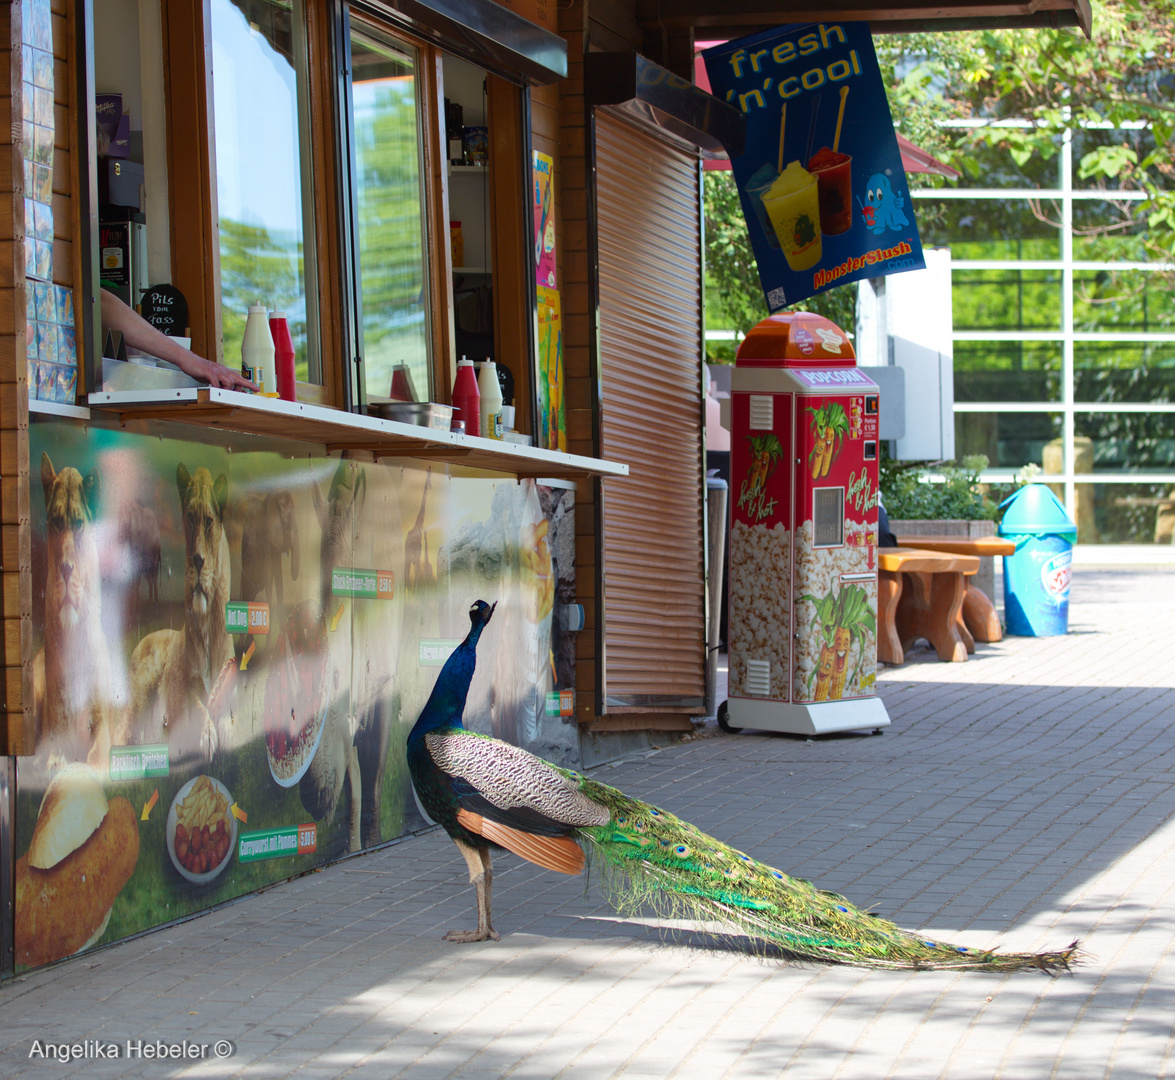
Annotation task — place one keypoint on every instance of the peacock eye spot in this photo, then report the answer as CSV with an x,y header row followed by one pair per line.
x,y
665,843
930,944
656,813
681,849
622,821
777,875
961,948
840,907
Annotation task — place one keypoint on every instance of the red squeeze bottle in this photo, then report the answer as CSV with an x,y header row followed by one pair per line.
x,y
283,356
466,399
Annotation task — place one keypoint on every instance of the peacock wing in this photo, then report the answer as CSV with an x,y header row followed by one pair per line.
x,y
514,799
507,784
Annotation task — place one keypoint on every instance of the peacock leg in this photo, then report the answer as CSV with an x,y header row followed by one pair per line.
x,y
481,877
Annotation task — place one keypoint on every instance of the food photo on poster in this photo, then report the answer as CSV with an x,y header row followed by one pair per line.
x,y
821,181
230,645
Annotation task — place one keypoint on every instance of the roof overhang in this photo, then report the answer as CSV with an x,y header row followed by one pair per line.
x,y
485,33
737,18
661,102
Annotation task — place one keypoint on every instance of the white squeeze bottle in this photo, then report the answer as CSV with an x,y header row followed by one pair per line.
x,y
257,352
491,400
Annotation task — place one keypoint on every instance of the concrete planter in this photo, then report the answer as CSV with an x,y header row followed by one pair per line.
x,y
985,579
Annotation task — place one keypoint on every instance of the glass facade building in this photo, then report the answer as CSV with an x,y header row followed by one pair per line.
x,y
1064,334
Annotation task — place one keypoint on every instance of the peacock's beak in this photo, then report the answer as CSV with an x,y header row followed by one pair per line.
x,y
490,613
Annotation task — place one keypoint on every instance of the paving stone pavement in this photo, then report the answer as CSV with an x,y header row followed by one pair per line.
x,y
1023,798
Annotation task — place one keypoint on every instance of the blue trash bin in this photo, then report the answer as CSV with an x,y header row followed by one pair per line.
x,y
1036,577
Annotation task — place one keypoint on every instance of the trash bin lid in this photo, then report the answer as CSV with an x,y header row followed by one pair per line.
x,y
1035,509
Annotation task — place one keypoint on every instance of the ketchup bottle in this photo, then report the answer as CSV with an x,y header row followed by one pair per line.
x,y
466,399
283,356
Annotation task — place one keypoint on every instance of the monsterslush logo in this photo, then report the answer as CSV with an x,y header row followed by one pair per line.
x,y
1055,575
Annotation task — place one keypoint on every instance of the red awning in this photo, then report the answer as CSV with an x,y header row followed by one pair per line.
x,y
914,159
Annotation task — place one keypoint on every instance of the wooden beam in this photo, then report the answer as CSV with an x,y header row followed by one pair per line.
x,y
734,18
195,248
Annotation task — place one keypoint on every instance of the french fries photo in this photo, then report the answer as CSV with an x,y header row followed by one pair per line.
x,y
202,828
536,561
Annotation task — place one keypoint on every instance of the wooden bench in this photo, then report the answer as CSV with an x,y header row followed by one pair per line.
x,y
920,594
979,614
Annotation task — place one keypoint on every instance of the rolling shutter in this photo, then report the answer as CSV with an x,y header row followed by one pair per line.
x,y
649,238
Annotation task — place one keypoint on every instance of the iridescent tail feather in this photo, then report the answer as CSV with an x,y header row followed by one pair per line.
x,y
650,857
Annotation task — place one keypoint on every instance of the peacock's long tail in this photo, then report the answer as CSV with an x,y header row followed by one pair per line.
x,y
652,857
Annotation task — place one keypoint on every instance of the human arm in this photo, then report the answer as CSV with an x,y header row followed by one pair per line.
x,y
140,334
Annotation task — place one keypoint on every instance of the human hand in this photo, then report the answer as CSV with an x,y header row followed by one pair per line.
x,y
223,377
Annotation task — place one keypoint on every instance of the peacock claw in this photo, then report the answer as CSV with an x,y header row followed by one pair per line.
x,y
465,937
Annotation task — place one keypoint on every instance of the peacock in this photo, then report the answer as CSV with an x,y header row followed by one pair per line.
x,y
489,795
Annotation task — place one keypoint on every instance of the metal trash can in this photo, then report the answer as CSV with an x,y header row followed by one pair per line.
x,y
1037,576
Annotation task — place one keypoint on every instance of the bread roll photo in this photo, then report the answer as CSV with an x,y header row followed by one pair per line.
x,y
83,851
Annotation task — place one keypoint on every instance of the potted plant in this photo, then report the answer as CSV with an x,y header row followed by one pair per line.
x,y
952,502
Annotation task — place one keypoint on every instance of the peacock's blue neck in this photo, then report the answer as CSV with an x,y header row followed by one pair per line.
x,y
446,704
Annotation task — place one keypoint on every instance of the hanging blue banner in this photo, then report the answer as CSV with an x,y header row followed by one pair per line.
x,y
821,180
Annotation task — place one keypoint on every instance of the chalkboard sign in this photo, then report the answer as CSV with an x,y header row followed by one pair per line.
x,y
165,308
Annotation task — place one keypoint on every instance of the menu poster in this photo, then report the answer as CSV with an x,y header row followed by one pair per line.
x,y
543,168
165,308
821,179
552,419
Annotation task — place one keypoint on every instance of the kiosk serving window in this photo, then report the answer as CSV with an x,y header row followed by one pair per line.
x,y
327,159
263,171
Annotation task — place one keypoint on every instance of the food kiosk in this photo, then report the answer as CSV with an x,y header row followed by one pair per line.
x,y
222,612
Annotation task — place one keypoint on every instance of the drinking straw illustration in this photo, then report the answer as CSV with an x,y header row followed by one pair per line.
x,y
812,126
538,247
844,93
782,120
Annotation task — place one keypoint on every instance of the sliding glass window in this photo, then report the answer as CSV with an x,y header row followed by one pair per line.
x,y
264,185
389,212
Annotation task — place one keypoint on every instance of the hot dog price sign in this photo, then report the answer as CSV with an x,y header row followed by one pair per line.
x,y
821,180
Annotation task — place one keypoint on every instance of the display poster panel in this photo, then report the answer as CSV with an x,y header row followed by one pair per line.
x,y
552,412
835,589
821,181
543,176
761,539
231,643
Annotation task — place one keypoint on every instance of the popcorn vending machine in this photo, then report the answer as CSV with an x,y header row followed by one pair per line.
x,y
803,532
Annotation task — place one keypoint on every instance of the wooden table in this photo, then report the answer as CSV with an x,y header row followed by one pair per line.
x,y
920,594
978,614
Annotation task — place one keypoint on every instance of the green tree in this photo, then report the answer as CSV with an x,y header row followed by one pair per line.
x,y
258,267
1102,88
1054,79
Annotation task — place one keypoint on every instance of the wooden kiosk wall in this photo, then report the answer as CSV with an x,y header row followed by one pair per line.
x,y
558,128
16,733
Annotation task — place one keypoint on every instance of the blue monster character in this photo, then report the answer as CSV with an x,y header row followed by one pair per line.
x,y
882,208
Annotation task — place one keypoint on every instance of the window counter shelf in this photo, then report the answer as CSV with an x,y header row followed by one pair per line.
x,y
337,430
54,408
